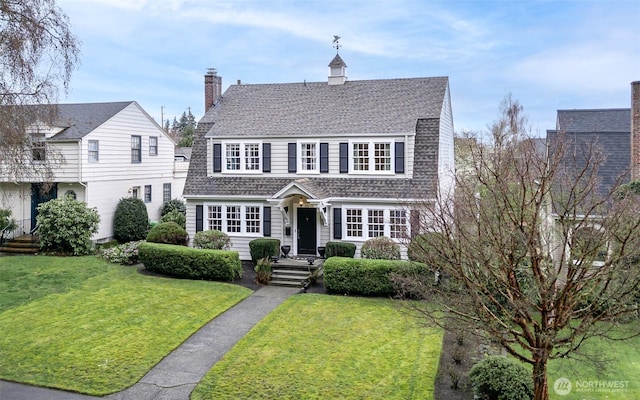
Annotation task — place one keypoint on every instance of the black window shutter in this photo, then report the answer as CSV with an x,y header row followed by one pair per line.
x,y
399,157
337,223
344,158
217,157
266,157
199,214
292,157
266,211
324,157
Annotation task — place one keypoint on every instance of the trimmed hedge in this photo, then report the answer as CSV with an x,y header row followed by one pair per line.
x,y
186,262
340,249
365,277
169,233
264,247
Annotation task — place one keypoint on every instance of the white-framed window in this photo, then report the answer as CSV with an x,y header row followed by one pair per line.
x,y
153,146
308,160
242,157
136,149
369,222
235,219
354,222
360,157
166,191
147,193
135,192
375,222
252,219
214,218
371,157
397,224
38,147
94,151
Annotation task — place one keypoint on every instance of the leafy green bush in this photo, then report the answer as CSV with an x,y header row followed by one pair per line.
x,y
125,254
422,244
169,233
264,247
173,205
7,224
212,239
175,216
501,378
380,248
340,249
365,277
186,262
131,220
66,226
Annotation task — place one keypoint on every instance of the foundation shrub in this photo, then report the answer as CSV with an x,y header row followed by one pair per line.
x,y
343,275
131,220
66,226
168,233
186,262
175,216
340,249
264,247
380,248
212,239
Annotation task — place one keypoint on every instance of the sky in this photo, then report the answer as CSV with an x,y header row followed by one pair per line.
x,y
548,55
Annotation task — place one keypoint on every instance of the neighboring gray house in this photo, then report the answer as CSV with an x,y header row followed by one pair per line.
x,y
313,162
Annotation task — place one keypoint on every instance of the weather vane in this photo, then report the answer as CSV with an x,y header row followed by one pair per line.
x,y
336,42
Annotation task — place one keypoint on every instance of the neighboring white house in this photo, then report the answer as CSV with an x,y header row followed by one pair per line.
x,y
100,153
313,162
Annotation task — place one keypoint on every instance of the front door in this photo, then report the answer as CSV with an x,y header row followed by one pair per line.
x,y
307,231
39,196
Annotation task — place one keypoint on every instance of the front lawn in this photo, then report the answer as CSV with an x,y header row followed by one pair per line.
x,y
82,324
329,347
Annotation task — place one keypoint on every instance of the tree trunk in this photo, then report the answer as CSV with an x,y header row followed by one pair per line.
x,y
540,387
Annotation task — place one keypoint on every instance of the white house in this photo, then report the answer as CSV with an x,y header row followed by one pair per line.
x,y
313,162
100,153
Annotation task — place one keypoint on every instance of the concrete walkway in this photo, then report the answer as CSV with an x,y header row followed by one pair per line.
x,y
175,377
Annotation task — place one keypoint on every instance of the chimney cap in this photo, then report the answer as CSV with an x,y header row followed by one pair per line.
x,y
212,71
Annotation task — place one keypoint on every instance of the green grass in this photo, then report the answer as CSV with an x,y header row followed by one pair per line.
x,y
602,361
324,347
85,325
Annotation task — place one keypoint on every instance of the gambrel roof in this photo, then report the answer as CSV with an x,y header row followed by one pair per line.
x,y
314,109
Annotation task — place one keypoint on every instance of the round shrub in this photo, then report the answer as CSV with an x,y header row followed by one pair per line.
x,y
173,205
380,248
125,254
131,221
175,216
212,239
501,378
66,226
169,233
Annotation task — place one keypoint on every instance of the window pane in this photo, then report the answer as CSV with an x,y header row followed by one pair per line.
x,y
136,149
252,217
233,157
308,156
147,194
361,156
166,192
93,151
354,222
215,218
398,222
376,223
153,146
382,156
252,156
233,219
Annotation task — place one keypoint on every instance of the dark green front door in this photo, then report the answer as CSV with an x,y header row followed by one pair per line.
x,y
38,196
307,231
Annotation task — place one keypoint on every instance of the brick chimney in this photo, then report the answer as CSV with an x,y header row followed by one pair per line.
x,y
212,88
635,130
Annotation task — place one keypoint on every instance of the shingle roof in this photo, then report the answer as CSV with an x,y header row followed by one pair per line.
x,y
312,109
80,119
594,121
337,62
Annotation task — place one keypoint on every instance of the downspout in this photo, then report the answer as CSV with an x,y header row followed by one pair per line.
x,y
80,158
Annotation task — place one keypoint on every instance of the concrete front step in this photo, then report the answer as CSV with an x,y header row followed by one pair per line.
x,y
277,282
